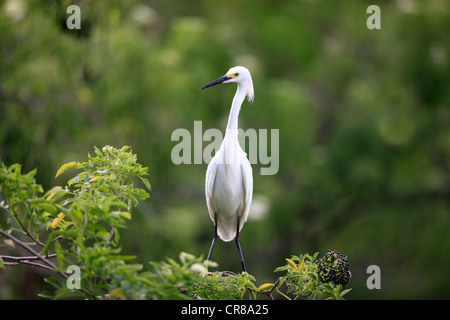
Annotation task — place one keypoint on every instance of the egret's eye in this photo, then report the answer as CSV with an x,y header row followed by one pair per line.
x,y
236,74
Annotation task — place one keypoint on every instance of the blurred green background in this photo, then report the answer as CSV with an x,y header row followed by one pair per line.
x,y
363,118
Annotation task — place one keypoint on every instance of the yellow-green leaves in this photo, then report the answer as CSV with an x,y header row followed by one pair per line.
x,y
82,220
65,167
57,220
125,214
117,293
302,279
264,286
292,263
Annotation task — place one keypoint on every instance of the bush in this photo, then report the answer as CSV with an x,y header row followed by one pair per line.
x,y
75,232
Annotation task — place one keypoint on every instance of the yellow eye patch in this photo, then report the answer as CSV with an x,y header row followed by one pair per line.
x,y
233,75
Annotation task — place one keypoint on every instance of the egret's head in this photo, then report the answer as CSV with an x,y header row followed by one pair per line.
x,y
239,74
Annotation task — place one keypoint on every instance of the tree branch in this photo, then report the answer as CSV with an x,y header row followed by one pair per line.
x,y
36,264
36,256
25,258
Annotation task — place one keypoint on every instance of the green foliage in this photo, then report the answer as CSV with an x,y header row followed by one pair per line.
x,y
216,287
75,220
304,278
224,286
103,194
362,114
167,280
22,202
82,219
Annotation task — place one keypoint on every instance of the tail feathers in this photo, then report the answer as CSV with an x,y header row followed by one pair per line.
x,y
227,229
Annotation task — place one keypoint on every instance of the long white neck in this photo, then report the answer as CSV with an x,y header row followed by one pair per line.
x,y
231,142
238,99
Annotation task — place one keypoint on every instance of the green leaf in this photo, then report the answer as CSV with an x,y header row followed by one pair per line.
x,y
52,192
9,242
125,214
265,285
345,292
292,263
48,242
52,281
283,268
117,293
45,205
98,152
59,254
65,167
45,295
102,234
146,182
116,238
77,216
312,275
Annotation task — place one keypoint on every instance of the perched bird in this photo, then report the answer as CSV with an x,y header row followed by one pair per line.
x,y
229,179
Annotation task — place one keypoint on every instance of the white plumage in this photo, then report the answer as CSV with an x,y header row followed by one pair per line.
x,y
229,179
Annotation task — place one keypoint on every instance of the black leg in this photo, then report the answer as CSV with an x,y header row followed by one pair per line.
x,y
239,246
214,237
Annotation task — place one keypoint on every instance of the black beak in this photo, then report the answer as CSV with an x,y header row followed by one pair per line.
x,y
217,81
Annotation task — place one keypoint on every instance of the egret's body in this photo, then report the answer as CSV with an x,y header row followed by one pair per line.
x,y
229,180
229,189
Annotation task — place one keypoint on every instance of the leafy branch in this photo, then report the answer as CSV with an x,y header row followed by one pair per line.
x,y
79,221
312,278
78,226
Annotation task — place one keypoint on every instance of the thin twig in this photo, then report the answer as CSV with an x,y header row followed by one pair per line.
x,y
25,258
269,292
36,264
31,250
111,233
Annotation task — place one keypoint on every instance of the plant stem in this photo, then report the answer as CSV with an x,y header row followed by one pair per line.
x,y
36,256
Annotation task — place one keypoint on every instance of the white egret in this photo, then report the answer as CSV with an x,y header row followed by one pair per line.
x,y
229,180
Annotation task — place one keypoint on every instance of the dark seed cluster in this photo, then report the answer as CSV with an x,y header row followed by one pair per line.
x,y
334,267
